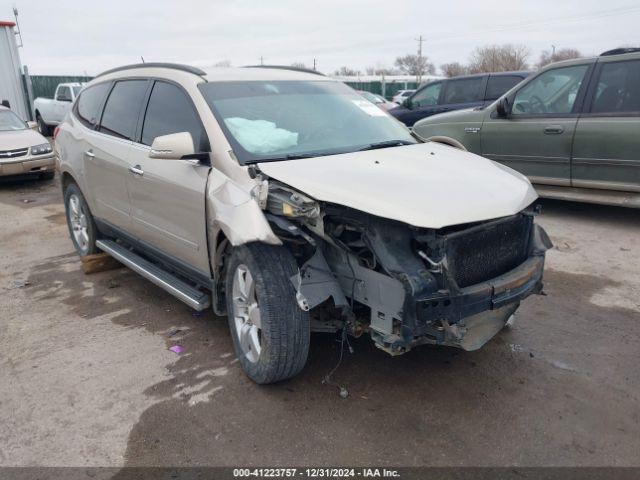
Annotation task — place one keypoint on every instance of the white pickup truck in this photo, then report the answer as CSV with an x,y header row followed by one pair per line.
x,y
51,112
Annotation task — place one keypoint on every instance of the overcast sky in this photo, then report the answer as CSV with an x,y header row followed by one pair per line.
x,y
74,37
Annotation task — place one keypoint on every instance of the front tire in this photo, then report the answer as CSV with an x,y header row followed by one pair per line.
x,y
82,228
270,332
43,128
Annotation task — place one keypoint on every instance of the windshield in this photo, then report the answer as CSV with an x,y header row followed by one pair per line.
x,y
10,122
284,120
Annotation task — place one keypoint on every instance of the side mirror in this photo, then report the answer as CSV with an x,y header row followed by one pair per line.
x,y
407,103
503,108
175,146
32,125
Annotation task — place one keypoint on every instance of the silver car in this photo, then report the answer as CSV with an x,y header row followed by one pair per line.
x,y
288,202
23,151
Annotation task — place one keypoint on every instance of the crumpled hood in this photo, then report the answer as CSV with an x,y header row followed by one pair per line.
x,y
426,185
14,140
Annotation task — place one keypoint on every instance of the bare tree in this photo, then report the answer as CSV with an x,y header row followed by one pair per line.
x,y
498,58
415,65
380,69
548,57
223,63
298,65
453,69
346,72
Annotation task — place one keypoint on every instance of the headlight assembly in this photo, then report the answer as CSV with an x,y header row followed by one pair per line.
x,y
41,149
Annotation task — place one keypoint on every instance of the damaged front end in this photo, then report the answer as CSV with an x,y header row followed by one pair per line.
x,y
407,286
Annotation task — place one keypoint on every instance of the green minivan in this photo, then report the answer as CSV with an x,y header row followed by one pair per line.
x,y
573,128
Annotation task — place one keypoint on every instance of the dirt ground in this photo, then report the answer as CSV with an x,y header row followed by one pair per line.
x,y
88,378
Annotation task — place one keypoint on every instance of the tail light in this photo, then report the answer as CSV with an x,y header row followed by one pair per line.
x,y
55,132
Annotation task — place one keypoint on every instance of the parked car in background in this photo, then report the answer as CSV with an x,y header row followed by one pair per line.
x,y
573,129
378,100
222,189
23,151
455,93
50,112
401,96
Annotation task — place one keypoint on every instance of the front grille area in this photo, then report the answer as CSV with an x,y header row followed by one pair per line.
x,y
9,154
487,251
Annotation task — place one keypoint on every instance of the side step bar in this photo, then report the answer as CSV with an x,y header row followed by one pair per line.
x,y
182,291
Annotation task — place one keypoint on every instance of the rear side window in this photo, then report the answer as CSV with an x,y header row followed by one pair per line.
x,y
496,86
89,103
618,88
170,111
428,96
122,108
465,90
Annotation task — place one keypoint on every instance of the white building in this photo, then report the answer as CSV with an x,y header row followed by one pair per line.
x,y
11,84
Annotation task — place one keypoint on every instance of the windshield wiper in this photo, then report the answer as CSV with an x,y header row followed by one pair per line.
x,y
387,144
291,156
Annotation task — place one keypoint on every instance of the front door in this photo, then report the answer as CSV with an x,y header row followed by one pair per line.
x,y
62,103
422,104
606,149
536,137
168,196
107,156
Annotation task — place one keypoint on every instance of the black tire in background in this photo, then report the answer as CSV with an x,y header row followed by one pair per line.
x,y
43,128
285,329
73,191
48,175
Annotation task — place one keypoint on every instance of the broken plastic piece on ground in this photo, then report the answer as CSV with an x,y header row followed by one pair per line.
x,y
177,349
344,393
20,284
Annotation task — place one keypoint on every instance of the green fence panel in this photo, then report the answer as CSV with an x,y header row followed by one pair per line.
x,y
45,85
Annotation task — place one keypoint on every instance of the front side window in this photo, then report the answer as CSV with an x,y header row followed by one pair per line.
x,y
497,85
122,108
283,120
64,94
618,88
76,91
428,96
552,92
89,103
170,111
464,90
10,122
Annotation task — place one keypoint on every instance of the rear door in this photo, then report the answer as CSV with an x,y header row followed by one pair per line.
x,y
537,135
606,149
107,156
168,196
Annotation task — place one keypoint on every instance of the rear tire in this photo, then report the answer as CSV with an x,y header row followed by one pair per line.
x,y
270,332
82,228
43,128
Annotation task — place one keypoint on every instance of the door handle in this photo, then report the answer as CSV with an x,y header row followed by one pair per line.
x,y
90,154
136,170
553,129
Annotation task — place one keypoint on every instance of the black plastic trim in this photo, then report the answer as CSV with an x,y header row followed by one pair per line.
x,y
145,249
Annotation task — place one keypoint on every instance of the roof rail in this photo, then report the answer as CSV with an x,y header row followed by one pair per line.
x,y
285,67
619,51
173,66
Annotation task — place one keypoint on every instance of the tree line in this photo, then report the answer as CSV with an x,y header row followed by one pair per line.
x,y
490,58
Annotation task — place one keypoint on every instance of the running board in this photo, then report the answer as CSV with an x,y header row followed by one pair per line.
x,y
181,290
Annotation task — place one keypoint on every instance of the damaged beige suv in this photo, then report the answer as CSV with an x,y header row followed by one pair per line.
x,y
286,201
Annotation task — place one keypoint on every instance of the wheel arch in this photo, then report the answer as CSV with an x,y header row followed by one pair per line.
x,y
452,142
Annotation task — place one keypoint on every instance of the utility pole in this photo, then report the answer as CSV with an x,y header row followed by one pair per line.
x,y
419,63
553,51
261,60
314,64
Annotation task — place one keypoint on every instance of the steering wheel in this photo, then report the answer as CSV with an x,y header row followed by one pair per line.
x,y
537,105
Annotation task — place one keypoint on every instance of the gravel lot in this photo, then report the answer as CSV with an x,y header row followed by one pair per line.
x,y
88,379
